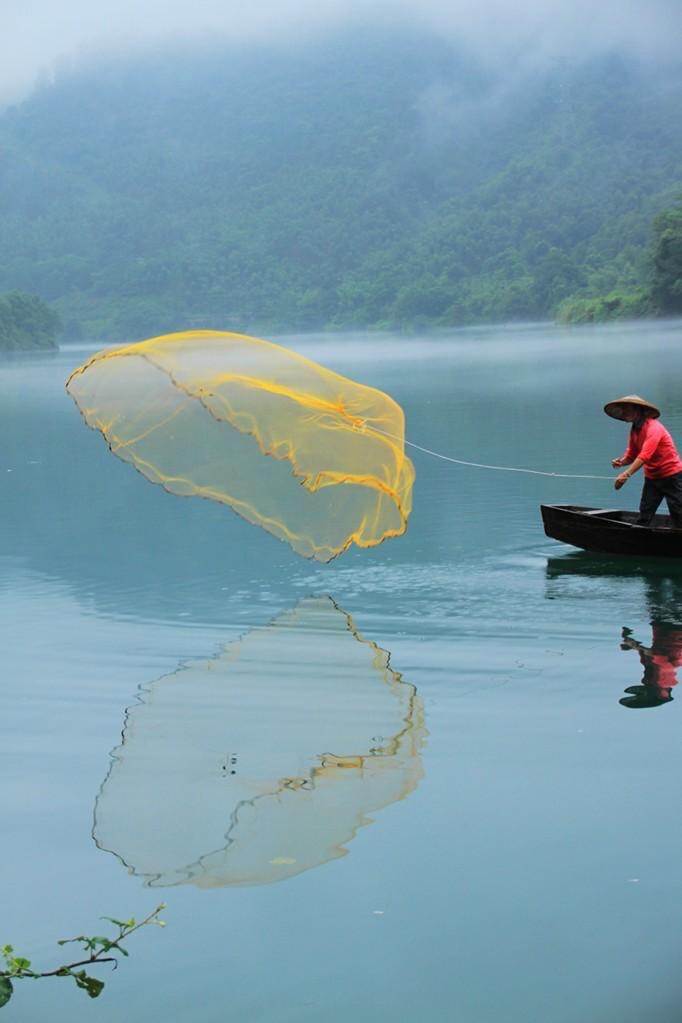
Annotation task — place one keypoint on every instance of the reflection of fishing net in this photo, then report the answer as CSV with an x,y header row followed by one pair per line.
x,y
264,761
196,412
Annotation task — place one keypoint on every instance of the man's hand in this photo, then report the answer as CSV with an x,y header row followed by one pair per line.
x,y
621,480
617,462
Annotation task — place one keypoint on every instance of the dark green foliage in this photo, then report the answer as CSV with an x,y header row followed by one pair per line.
x,y
26,323
383,182
91,985
6,990
616,305
662,295
666,274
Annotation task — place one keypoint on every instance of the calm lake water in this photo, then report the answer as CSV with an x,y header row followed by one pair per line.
x,y
398,787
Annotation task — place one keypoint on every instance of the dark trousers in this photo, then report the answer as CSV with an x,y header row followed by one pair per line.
x,y
653,492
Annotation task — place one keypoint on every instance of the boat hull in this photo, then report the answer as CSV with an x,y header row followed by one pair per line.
x,y
611,531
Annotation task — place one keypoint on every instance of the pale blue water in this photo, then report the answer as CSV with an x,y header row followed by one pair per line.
x,y
530,870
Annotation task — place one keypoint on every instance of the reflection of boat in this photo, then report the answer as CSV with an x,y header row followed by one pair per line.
x,y
611,531
659,581
602,566
262,762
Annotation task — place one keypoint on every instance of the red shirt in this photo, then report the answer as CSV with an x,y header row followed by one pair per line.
x,y
654,445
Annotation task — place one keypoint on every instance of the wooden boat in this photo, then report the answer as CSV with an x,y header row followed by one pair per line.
x,y
611,531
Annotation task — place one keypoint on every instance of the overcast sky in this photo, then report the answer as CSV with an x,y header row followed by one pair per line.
x,y
38,35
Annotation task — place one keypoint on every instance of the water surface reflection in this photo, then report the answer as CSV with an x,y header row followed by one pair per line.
x,y
261,762
662,603
659,661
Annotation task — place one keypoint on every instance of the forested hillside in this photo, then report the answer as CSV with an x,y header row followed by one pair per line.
x,y
367,182
26,323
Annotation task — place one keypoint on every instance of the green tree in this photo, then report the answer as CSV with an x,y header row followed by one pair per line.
x,y
26,323
666,274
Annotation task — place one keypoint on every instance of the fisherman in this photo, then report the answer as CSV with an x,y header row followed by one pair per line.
x,y
650,445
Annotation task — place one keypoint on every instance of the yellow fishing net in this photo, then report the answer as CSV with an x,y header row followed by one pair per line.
x,y
197,412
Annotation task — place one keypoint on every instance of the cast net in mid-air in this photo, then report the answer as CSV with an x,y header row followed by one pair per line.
x,y
307,454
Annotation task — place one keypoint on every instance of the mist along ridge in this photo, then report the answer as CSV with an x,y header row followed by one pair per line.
x,y
377,181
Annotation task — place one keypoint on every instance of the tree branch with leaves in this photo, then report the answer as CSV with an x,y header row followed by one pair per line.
x,y
96,950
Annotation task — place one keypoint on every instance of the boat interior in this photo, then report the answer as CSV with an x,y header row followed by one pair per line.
x,y
626,518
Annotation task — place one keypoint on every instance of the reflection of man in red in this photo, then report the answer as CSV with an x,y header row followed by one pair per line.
x,y
659,662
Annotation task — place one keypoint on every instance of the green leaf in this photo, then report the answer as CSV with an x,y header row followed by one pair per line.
x,y
92,985
6,990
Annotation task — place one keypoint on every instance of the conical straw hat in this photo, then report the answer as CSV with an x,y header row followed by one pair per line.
x,y
615,408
